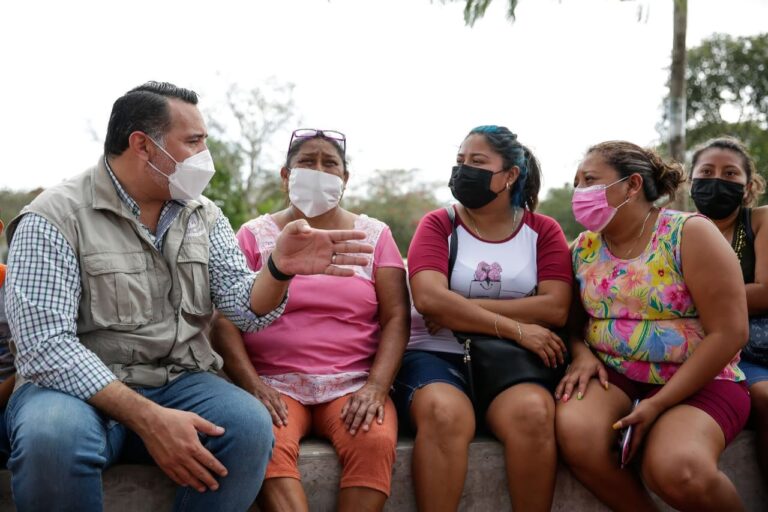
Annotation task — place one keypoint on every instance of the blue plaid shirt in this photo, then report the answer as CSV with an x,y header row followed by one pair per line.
x,y
43,290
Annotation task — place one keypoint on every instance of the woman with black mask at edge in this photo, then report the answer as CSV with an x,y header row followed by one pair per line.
x,y
512,280
725,187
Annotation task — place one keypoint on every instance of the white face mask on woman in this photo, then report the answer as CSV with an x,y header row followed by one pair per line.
x,y
314,192
191,176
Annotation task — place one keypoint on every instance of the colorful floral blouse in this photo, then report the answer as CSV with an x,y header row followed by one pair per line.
x,y
642,320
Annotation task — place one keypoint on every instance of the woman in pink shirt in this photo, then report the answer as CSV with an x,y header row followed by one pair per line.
x,y
327,364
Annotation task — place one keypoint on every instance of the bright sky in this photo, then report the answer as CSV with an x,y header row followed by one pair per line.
x,y
404,79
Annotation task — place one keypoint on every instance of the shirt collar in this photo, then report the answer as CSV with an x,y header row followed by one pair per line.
x,y
127,199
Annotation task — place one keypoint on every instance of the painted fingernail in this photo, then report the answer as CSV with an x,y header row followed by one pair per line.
x,y
565,397
605,385
616,426
579,396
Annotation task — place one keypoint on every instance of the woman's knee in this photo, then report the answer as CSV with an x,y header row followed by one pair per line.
x,y
443,414
377,444
529,412
680,479
580,436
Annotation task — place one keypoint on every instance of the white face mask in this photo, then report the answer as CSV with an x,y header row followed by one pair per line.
x,y
314,192
191,176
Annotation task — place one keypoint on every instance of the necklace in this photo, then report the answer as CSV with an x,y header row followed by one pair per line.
x,y
639,236
739,241
474,225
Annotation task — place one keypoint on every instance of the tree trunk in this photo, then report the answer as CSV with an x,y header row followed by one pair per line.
x,y
677,96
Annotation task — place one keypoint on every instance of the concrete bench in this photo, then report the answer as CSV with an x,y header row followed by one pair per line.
x,y
133,488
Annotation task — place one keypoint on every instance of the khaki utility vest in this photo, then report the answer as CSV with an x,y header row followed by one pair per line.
x,y
145,313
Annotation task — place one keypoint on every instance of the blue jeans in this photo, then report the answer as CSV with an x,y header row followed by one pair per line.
x,y
5,447
420,368
60,445
753,371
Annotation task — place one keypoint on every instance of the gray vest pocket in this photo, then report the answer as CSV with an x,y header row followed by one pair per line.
x,y
121,297
193,279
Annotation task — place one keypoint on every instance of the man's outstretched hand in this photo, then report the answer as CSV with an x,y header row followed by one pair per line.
x,y
301,249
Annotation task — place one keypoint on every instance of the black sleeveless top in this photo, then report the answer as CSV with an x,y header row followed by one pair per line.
x,y
744,244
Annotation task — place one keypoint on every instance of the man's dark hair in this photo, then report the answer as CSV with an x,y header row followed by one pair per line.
x,y
145,109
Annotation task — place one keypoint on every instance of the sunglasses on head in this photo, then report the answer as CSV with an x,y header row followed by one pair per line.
x,y
309,133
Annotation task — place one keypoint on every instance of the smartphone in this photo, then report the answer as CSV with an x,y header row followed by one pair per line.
x,y
626,439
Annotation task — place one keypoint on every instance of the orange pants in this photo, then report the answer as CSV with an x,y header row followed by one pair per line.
x,y
366,458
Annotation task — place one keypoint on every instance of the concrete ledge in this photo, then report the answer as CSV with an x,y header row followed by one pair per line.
x,y
132,488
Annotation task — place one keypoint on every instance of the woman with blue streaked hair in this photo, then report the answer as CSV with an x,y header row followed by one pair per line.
x,y
510,279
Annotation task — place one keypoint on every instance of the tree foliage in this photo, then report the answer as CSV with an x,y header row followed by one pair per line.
x,y
475,9
557,205
398,199
226,187
261,113
728,81
245,185
728,92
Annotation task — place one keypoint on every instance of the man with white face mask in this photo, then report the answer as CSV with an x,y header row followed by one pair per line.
x,y
113,278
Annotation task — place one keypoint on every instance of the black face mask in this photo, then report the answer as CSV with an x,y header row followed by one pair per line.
x,y
716,198
471,186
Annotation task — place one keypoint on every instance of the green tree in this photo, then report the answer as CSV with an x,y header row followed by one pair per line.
x,y
398,199
557,205
226,187
244,185
727,94
728,77
261,113
675,106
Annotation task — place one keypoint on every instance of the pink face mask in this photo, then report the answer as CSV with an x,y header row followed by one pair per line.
x,y
590,206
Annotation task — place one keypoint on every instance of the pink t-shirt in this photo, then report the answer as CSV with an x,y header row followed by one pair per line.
x,y
504,269
330,324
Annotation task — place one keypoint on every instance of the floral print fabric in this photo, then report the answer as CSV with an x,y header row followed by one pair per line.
x,y
642,320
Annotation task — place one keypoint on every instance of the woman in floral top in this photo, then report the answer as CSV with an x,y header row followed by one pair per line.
x,y
653,333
